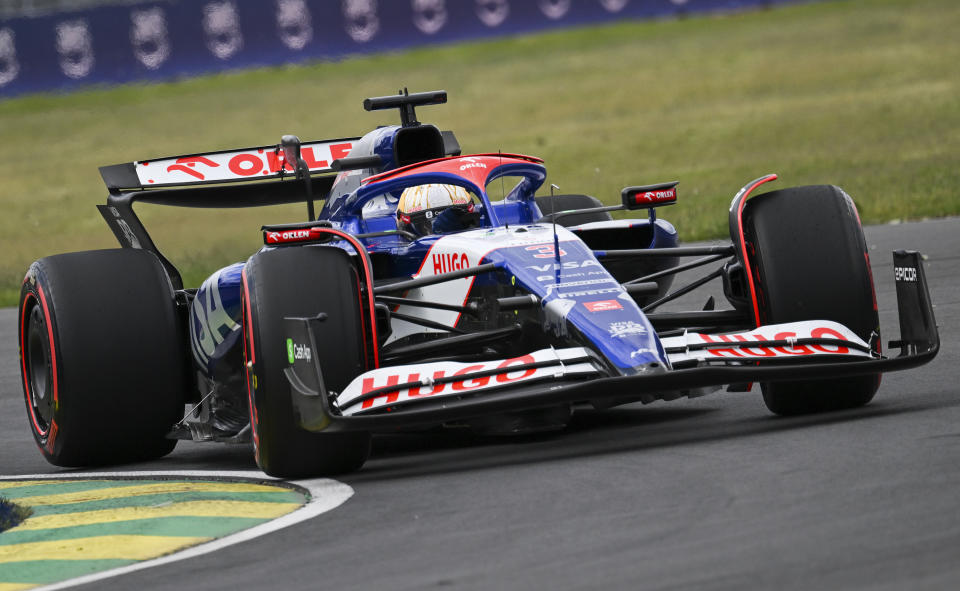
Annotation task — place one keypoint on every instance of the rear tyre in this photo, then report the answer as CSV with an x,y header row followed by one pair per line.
x,y
102,357
810,262
553,203
300,282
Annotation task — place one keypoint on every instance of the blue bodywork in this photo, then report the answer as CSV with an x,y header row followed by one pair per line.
x,y
580,299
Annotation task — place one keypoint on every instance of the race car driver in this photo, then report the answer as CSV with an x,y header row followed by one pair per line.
x,y
435,209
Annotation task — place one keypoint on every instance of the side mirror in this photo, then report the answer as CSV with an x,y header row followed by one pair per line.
x,y
648,196
290,144
291,152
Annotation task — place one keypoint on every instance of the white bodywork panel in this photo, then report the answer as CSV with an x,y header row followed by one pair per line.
x,y
426,373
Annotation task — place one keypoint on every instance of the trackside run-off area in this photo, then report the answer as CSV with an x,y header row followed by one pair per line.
x,y
67,528
859,93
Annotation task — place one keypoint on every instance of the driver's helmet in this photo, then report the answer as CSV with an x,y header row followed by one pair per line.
x,y
420,205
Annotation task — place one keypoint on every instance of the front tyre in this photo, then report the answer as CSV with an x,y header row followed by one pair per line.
x,y
810,262
301,282
101,356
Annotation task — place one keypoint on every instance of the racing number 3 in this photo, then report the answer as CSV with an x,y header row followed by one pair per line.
x,y
545,251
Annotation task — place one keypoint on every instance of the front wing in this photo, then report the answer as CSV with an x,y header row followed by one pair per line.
x,y
398,397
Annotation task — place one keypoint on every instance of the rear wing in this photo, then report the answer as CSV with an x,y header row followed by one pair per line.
x,y
231,166
247,177
252,177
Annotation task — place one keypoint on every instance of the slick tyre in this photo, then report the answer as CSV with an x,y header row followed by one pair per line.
x,y
301,282
553,203
810,261
102,357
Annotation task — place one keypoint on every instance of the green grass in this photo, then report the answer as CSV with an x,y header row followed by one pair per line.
x,y
12,515
864,94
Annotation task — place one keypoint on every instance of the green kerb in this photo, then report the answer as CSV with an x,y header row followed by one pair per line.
x,y
41,572
208,527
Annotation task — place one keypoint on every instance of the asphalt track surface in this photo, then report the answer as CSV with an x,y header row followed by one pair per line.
x,y
712,493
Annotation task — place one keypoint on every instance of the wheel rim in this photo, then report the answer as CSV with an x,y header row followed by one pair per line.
x,y
40,390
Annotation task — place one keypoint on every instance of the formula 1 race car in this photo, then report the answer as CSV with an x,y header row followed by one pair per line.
x,y
438,289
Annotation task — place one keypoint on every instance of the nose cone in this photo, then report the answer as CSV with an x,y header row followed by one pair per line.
x,y
581,300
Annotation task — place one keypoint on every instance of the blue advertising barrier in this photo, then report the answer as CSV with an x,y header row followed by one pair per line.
x,y
166,39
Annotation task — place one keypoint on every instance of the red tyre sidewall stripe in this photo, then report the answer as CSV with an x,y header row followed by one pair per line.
x,y
743,244
47,436
249,356
249,324
866,255
363,322
361,252
23,367
873,289
53,348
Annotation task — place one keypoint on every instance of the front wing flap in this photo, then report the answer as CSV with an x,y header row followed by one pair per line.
x,y
576,374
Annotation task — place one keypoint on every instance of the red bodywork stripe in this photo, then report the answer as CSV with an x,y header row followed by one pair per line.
x,y
423,263
472,277
405,169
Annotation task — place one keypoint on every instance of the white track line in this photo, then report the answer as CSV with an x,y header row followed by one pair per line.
x,y
325,494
